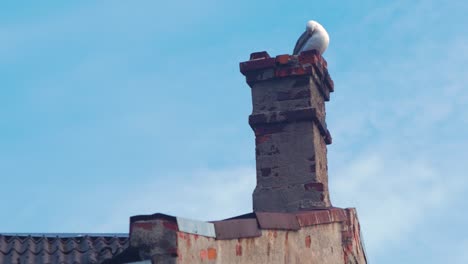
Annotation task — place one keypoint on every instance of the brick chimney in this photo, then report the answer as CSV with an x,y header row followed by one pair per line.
x,y
288,119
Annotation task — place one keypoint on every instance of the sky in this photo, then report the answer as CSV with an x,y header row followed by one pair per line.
x,y
110,109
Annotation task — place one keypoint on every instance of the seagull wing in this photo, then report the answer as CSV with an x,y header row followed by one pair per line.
x,y
301,42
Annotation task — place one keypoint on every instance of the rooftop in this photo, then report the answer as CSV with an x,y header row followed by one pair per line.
x,y
60,248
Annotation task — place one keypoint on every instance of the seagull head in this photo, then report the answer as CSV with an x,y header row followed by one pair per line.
x,y
311,26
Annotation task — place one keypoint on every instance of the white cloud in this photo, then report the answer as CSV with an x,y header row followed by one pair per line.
x,y
397,118
399,128
203,194
392,194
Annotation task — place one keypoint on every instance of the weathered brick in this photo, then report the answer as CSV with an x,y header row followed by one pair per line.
x,y
288,119
282,59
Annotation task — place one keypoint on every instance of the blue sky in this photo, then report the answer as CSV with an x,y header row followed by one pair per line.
x,y
114,108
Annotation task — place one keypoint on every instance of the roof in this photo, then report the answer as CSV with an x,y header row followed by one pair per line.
x,y
60,248
243,226
161,231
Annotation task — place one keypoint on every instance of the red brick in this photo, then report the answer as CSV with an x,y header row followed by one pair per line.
x,y
212,255
253,65
309,56
282,59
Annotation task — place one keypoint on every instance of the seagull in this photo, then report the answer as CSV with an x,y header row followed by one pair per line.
x,y
315,37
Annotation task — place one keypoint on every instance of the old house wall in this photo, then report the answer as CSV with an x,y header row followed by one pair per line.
x,y
315,244
323,237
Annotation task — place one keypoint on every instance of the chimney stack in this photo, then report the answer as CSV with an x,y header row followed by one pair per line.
x,y
288,118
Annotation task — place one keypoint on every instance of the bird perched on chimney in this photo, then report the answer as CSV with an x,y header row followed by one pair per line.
x,y
315,37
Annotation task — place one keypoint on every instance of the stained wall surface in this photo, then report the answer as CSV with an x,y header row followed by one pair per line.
x,y
319,239
317,244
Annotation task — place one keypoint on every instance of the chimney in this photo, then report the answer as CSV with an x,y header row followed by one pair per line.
x,y
288,118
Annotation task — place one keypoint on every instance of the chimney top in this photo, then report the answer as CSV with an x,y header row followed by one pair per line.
x,y
306,63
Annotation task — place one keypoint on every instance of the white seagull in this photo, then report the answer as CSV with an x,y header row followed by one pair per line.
x,y
314,38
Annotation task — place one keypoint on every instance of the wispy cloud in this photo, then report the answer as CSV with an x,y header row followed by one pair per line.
x,y
393,194
398,117
203,194
398,155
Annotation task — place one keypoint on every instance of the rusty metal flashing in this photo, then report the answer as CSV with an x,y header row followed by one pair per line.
x,y
251,224
244,226
317,217
238,228
283,221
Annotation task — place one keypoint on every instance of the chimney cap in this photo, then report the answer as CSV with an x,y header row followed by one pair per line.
x,y
308,62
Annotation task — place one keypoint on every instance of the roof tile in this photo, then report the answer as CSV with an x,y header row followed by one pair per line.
x,y
24,249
